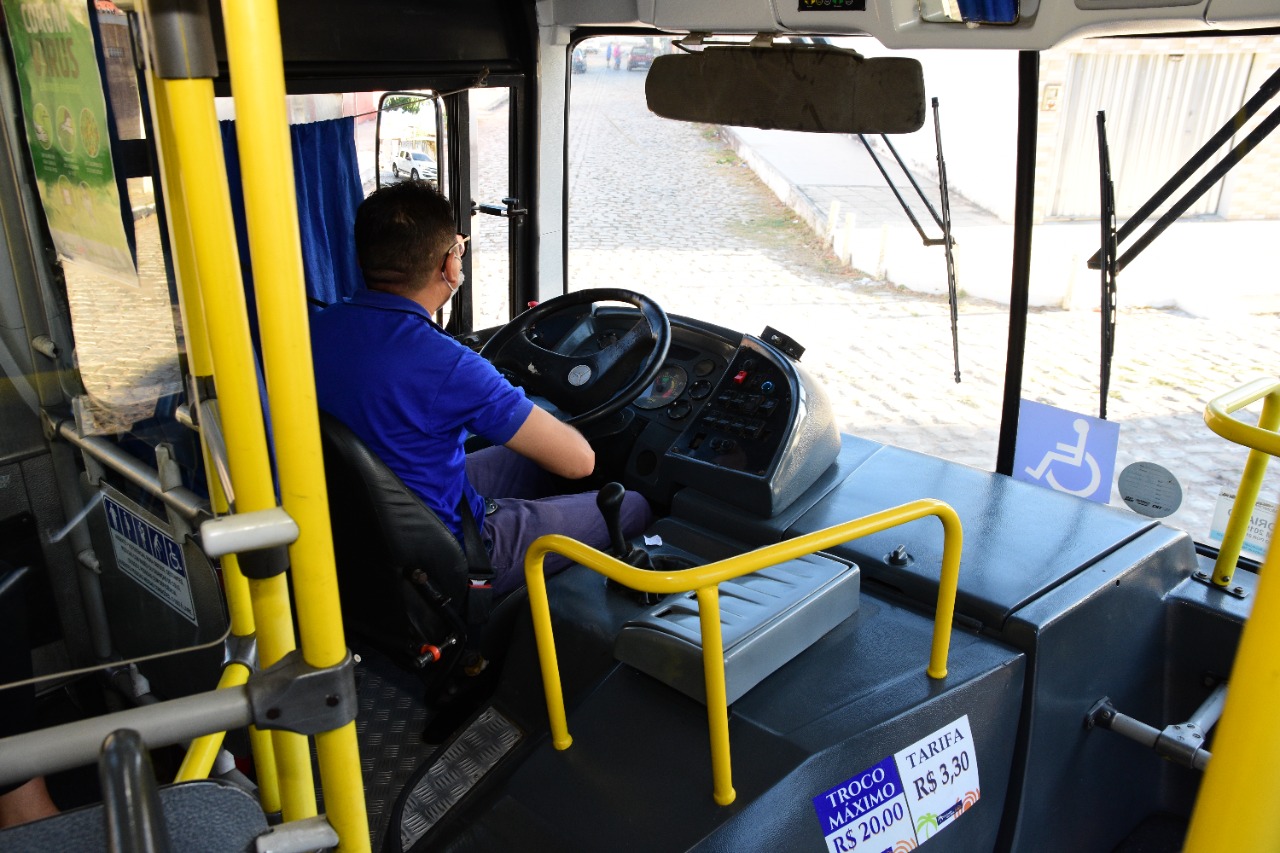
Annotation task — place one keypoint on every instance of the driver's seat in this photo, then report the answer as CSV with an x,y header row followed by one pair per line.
x,y
402,574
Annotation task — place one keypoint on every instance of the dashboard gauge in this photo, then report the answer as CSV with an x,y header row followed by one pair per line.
x,y
704,367
667,386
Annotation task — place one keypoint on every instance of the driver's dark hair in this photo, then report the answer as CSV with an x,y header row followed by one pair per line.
x,y
403,232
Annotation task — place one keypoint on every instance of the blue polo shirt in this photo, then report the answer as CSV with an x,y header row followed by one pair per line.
x,y
412,394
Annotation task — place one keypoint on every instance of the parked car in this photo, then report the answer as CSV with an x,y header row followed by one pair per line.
x,y
413,165
641,56
579,63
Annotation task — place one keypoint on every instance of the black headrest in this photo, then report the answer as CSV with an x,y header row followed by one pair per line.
x,y
377,518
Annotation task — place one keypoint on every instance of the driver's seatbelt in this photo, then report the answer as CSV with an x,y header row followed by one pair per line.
x,y
479,574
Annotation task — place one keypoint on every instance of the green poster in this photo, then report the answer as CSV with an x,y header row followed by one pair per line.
x,y
66,119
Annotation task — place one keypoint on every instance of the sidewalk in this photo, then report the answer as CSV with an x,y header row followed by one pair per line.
x,y
1206,267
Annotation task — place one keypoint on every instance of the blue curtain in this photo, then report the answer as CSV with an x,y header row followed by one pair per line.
x,y
327,184
989,11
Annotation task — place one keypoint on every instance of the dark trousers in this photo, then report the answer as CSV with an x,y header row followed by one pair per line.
x,y
528,508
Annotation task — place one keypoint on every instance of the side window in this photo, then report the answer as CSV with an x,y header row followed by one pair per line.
x,y
491,184
124,320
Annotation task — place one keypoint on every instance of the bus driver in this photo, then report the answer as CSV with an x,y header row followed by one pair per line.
x,y
413,394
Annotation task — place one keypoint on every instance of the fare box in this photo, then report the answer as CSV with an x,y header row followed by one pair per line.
x,y
940,777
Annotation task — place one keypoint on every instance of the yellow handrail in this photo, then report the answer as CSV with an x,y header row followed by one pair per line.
x,y
706,580
1241,777
197,143
257,84
1263,442
199,759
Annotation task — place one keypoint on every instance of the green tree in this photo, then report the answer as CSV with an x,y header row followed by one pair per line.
x,y
406,103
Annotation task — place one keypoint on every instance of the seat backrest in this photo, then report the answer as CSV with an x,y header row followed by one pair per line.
x,y
206,815
382,533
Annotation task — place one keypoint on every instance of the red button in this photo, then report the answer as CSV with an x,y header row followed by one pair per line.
x,y
740,378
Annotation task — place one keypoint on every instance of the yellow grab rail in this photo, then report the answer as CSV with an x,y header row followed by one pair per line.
x,y
1263,442
257,84
1241,777
200,756
706,580
197,143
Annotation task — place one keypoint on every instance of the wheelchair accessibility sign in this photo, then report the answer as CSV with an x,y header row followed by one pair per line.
x,y
1066,451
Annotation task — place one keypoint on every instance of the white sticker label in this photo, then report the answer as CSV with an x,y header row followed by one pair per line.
x,y
940,772
905,799
1257,535
150,556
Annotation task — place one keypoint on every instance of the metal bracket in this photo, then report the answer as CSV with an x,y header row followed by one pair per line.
x,y
294,696
242,650
1233,591
248,531
46,346
202,415
170,475
298,836
510,211
1181,743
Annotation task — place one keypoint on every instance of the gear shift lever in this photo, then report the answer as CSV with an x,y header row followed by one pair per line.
x,y
609,500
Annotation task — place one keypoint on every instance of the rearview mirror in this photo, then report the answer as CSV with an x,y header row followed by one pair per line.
x,y
819,89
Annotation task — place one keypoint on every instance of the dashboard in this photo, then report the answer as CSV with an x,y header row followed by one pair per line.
x,y
727,414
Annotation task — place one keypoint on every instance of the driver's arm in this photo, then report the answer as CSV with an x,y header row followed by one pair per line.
x,y
556,446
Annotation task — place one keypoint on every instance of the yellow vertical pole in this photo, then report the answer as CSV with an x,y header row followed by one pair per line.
x,y
257,81
195,332
717,702
199,151
544,637
183,59
952,544
1255,469
1240,783
208,212
1240,787
200,757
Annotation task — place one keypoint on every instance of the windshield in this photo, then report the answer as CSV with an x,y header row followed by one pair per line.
x,y
803,233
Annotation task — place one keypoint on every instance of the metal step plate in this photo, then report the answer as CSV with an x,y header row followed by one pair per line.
x,y
462,764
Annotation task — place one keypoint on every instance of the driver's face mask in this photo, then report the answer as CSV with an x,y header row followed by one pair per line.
x,y
453,288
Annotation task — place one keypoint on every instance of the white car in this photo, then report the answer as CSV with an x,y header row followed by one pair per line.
x,y
414,165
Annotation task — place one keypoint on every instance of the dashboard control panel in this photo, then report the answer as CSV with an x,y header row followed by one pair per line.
x,y
745,416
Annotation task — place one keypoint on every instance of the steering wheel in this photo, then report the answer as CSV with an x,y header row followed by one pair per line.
x,y
595,384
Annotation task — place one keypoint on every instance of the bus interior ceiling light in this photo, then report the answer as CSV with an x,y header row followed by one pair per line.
x,y
819,89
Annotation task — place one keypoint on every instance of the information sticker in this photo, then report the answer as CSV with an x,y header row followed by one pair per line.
x,y
150,556
867,812
941,775
905,799
1257,535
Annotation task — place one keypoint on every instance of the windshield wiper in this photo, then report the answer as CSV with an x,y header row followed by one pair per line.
x,y
943,220
1265,93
